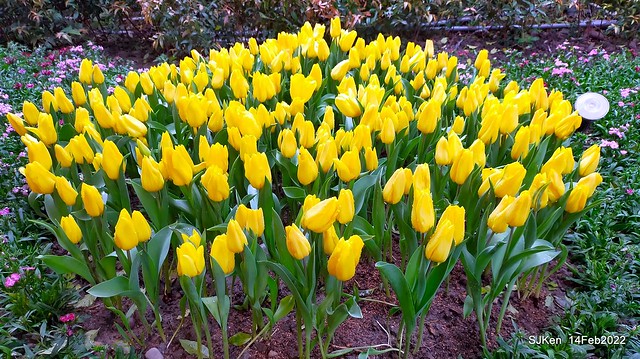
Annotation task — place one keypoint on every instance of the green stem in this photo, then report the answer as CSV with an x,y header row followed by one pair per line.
x,y
299,333
423,317
505,304
156,313
541,280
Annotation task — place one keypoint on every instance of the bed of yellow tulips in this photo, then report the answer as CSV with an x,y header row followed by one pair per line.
x,y
189,170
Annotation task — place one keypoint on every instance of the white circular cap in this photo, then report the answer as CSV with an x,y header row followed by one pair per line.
x,y
592,106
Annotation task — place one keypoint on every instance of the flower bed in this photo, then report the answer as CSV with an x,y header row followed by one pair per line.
x,y
358,146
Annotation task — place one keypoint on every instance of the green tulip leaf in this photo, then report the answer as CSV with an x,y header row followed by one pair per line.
x,y
191,347
66,264
110,288
240,339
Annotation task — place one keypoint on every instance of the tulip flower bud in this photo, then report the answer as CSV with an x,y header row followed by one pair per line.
x,y
65,105
345,257
236,239
482,56
222,255
462,167
442,152
250,219
577,199
321,216
521,143
589,161
439,245
63,156
422,212
143,230
92,200
125,236
71,229
297,244
329,240
37,151
498,219
395,186
39,179
371,159
85,74
190,259
388,132
17,124
348,105
113,164
307,167
66,191
151,177
96,73
257,170
248,146
216,184
218,156
239,84
287,143
509,183
349,166
346,206
46,129
518,210
335,28
429,116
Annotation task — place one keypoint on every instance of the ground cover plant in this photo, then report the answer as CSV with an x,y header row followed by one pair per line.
x,y
605,245
38,312
290,160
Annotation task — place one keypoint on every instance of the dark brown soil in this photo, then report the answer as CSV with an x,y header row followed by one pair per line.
x,y
446,333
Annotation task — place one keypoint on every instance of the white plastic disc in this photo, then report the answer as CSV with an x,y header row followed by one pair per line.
x,y
592,106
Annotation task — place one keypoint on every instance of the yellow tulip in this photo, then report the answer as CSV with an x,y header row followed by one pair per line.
x,y
125,236
151,177
307,167
218,156
17,124
250,219
39,179
236,238
302,87
429,116
113,163
85,74
498,219
49,102
422,212
287,143
482,56
348,166
194,238
345,257
222,255
216,184
239,84
182,170
335,28
46,129
395,186
347,40
348,105
143,230
66,191
346,206
326,153
297,244
248,146
71,229
63,156
96,73
442,155
131,81
329,240
388,132
540,196
439,245
518,210
257,170
456,215
589,161
64,104
479,155
92,200
371,159
577,199
521,143
462,167
80,149
132,126
37,151
321,216
512,176
190,259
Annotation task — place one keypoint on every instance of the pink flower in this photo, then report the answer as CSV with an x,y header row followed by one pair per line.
x,y
611,144
630,191
621,103
68,318
593,52
11,280
623,152
5,211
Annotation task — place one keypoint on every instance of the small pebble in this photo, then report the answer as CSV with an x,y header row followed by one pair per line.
x,y
153,353
272,354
